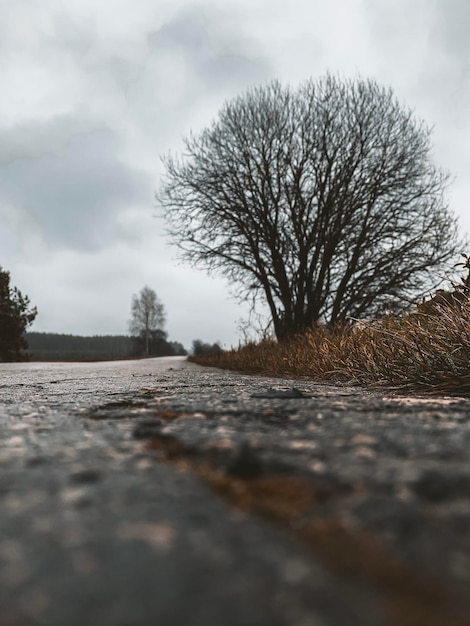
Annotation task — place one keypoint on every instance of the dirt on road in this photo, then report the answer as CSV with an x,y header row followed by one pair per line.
x,y
157,492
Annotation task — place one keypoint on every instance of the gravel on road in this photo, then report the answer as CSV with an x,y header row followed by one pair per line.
x,y
158,492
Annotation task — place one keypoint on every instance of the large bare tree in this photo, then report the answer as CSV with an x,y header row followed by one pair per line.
x,y
147,316
324,200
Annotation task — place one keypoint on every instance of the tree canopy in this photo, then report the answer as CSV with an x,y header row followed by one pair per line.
x,y
15,316
324,200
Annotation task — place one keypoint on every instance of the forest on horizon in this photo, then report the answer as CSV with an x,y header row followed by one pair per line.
x,y
64,347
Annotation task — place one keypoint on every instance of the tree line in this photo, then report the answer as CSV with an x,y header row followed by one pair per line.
x,y
63,347
146,325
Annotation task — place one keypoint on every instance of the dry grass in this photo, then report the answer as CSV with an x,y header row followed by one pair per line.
x,y
428,351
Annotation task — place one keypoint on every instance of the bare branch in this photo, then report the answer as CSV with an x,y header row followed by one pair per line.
x,y
324,199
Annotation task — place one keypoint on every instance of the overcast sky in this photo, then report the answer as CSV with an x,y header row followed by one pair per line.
x,y
94,92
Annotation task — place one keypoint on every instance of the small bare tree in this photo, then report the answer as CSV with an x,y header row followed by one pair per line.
x,y
147,316
323,200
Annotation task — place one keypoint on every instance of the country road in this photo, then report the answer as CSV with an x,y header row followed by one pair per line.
x,y
156,492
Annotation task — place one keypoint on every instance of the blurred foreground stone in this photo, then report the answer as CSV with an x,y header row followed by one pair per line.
x,y
157,492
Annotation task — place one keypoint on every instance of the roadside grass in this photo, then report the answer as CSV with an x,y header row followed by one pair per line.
x,y
426,350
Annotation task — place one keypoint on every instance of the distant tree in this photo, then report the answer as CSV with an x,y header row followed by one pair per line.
x,y
15,316
322,201
147,317
178,348
200,348
155,344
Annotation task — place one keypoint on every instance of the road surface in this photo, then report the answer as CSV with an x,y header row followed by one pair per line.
x,y
150,492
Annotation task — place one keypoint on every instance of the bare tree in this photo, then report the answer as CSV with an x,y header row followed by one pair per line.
x,y
323,200
147,316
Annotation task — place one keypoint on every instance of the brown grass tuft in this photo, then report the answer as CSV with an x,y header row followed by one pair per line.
x,y
427,351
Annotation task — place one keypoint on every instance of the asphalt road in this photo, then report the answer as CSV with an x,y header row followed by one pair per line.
x,y
156,492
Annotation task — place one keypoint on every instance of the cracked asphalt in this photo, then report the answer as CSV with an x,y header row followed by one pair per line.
x,y
158,492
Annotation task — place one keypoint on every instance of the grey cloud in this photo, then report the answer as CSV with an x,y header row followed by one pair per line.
x,y
217,54
52,137
76,196
396,27
429,40
424,31
452,20
450,39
